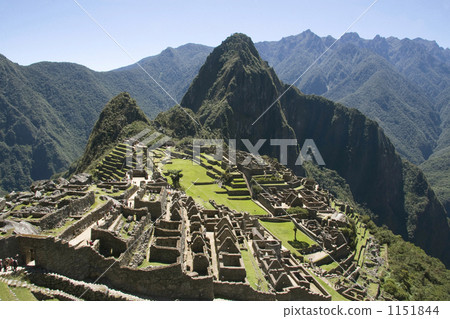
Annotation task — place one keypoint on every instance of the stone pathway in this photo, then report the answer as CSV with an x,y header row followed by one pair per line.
x,y
214,265
82,238
316,256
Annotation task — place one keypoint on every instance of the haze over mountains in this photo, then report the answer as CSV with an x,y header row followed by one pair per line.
x,y
48,109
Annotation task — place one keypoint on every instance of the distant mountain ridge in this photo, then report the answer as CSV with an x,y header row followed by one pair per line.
x,y
47,110
402,84
235,86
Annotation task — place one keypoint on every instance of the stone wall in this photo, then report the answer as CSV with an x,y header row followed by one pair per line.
x,y
77,288
141,212
302,293
127,194
8,247
76,205
84,263
135,240
77,228
243,291
163,196
110,244
154,208
240,291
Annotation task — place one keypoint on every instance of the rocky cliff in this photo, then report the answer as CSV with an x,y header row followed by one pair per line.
x,y
234,87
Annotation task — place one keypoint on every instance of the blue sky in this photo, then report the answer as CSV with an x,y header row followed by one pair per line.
x,y
57,30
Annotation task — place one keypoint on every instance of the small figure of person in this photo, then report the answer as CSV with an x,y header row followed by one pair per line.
x,y
1,265
6,264
15,264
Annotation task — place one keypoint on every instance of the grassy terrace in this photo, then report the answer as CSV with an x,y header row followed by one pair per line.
x,y
5,293
15,293
335,296
254,276
23,294
284,231
203,193
361,242
59,230
330,266
147,263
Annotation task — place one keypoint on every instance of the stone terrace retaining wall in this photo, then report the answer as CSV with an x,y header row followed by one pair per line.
x,y
84,263
109,241
77,288
302,293
52,220
243,291
240,291
127,194
141,212
75,229
8,247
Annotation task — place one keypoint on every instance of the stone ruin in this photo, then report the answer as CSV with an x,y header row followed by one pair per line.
x,y
151,232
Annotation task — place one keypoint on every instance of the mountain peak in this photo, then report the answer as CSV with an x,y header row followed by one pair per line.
x,y
233,64
234,79
119,114
241,45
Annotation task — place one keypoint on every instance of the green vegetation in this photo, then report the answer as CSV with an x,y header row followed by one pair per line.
x,y
298,211
284,231
175,175
5,292
412,274
255,275
335,296
331,181
155,263
57,231
145,263
437,170
49,109
117,114
23,294
203,193
329,266
361,238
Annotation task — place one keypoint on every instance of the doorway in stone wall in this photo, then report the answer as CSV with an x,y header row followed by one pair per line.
x,y
30,257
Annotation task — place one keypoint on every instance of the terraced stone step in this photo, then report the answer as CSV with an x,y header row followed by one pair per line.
x,y
36,290
80,287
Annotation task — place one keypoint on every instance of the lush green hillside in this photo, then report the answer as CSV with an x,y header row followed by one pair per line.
x,y
235,86
402,84
121,117
410,273
437,171
47,110
38,136
364,74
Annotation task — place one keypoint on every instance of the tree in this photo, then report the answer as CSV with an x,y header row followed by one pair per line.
x,y
226,177
175,175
